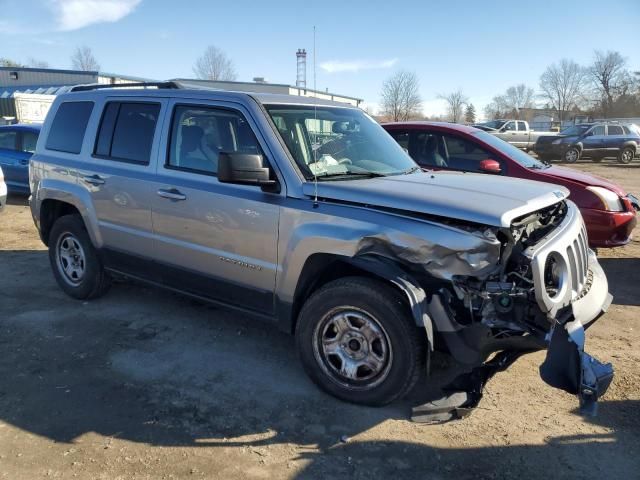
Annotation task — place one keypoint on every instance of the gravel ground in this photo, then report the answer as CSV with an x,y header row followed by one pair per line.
x,y
147,384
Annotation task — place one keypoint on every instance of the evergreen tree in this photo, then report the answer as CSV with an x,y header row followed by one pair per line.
x,y
470,113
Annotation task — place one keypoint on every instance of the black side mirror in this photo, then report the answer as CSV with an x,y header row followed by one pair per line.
x,y
243,169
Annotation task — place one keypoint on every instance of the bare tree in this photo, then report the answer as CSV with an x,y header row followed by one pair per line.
x,y
519,97
83,59
497,108
214,64
511,102
455,104
7,62
610,78
35,63
400,98
563,85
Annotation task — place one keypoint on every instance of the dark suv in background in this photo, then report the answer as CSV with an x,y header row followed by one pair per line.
x,y
594,140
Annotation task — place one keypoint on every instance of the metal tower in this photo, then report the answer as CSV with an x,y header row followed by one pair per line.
x,y
301,77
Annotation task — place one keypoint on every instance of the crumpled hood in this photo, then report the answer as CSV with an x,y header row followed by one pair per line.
x,y
486,199
586,179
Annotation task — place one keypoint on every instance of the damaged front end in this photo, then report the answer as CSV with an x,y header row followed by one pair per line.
x,y
545,290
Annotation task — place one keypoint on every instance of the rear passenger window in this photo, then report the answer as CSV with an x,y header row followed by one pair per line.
x,y
522,127
8,139
614,130
68,127
126,131
200,134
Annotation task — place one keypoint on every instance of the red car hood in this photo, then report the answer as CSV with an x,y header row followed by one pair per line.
x,y
586,179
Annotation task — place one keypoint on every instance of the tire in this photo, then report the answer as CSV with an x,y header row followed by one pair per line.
x,y
74,260
626,155
365,322
571,155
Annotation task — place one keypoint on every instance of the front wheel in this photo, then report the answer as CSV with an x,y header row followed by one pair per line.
x,y
572,155
358,342
626,155
74,260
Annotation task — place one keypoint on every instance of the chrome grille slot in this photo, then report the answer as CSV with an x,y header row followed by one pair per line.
x,y
569,241
577,247
572,263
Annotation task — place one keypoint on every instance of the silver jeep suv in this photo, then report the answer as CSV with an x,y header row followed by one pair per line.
x,y
306,214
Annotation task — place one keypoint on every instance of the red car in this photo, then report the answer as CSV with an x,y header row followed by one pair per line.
x,y
609,213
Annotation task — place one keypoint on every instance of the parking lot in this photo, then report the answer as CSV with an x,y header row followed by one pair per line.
x,y
147,384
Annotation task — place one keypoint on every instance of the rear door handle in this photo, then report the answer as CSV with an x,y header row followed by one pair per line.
x,y
93,179
172,194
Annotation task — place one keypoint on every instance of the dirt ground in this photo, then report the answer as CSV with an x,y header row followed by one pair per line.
x,y
147,384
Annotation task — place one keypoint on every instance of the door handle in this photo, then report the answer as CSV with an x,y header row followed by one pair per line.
x,y
93,179
172,194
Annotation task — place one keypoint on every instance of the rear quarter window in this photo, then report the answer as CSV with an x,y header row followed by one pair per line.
x,y
68,127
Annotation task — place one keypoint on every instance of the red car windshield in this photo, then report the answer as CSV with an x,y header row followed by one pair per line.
x,y
509,150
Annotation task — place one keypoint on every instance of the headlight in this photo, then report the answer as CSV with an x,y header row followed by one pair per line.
x,y
609,199
555,275
556,142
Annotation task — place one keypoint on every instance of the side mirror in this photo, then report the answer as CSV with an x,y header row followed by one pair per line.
x,y
490,166
243,169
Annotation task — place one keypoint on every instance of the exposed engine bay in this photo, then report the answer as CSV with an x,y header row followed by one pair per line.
x,y
526,304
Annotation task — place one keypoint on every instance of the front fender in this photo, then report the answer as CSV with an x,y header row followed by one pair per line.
x,y
442,251
414,293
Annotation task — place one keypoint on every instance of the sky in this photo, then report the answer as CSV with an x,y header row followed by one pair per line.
x,y
481,47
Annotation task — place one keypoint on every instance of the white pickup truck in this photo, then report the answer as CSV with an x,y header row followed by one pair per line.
x,y
516,132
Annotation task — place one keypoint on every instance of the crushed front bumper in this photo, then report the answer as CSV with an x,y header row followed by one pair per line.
x,y
567,366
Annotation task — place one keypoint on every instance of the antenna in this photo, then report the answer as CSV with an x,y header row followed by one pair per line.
x,y
315,126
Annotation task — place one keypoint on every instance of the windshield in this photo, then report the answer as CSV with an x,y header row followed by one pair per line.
x,y
512,152
497,124
338,142
575,131
634,128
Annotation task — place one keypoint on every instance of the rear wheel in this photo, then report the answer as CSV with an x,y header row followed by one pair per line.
x,y
74,260
626,155
357,342
572,155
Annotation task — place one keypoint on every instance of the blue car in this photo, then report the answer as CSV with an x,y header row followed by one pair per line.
x,y
17,144
594,140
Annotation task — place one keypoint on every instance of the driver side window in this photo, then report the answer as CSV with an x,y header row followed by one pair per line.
x,y
462,154
510,126
200,133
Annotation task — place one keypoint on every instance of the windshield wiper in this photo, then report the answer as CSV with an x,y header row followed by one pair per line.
x,y
350,173
411,170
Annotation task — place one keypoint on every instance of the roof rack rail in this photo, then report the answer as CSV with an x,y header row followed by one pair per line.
x,y
99,86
